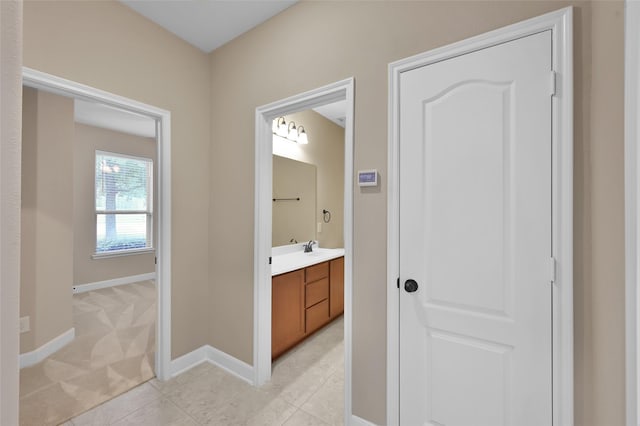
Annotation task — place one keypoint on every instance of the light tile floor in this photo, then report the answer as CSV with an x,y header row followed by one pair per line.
x,y
306,389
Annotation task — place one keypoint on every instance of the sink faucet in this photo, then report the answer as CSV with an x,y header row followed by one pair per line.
x,y
308,247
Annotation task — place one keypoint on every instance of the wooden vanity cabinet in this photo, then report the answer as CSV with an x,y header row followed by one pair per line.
x,y
287,311
303,301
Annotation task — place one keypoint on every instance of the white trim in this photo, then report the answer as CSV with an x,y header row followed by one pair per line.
x,y
61,86
129,156
147,212
632,209
121,253
359,421
188,361
83,288
561,24
341,90
230,364
207,353
28,359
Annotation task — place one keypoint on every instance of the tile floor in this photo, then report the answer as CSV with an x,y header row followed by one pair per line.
x,y
113,351
306,389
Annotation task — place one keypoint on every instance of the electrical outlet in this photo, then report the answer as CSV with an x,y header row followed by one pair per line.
x,y
24,324
319,227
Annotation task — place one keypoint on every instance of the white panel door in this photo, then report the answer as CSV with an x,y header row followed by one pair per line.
x,y
475,236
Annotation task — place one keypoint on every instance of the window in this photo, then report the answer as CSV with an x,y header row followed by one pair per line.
x,y
124,203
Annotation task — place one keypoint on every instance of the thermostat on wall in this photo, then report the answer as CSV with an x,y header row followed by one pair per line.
x,y
368,177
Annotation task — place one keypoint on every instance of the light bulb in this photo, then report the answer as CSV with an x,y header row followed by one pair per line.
x,y
282,131
293,132
302,136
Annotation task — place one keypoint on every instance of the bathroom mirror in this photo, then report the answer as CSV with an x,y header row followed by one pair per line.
x,y
322,156
294,201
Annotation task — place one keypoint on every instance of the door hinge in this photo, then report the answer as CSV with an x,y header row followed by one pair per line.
x,y
398,282
552,270
269,260
552,82
155,260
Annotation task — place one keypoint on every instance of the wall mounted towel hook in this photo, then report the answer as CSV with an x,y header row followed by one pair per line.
x,y
326,216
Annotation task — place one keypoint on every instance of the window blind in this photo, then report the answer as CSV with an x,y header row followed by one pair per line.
x,y
123,202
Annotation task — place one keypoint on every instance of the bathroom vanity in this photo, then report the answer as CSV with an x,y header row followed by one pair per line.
x,y
307,293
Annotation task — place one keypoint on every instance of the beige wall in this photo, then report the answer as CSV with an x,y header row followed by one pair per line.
x,y
326,151
87,140
293,219
106,45
338,43
10,165
27,213
603,325
221,92
47,217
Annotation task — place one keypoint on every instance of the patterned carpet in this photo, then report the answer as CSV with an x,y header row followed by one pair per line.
x,y
113,352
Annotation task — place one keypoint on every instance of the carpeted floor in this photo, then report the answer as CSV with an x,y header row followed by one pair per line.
x,y
113,351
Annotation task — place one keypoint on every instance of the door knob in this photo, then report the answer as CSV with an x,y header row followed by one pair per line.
x,y
410,286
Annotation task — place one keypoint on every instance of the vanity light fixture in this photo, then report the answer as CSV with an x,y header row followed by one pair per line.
x,y
280,127
293,132
302,136
289,131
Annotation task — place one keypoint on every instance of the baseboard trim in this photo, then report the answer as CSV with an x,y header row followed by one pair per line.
x,y
359,421
207,353
233,365
188,361
52,346
82,288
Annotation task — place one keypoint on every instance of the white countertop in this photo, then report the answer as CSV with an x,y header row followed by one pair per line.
x,y
288,260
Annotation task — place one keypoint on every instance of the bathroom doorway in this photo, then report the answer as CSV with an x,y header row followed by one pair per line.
x,y
307,290
295,108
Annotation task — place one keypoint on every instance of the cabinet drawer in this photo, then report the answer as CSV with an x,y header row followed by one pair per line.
x,y
317,316
316,292
317,272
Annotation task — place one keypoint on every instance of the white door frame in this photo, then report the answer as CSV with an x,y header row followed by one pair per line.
x,y
632,208
561,24
341,90
61,86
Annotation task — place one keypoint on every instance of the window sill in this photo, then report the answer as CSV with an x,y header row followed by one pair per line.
x,y
119,253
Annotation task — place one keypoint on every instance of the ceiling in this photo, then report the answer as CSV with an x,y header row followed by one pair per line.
x,y
208,24
335,112
107,117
